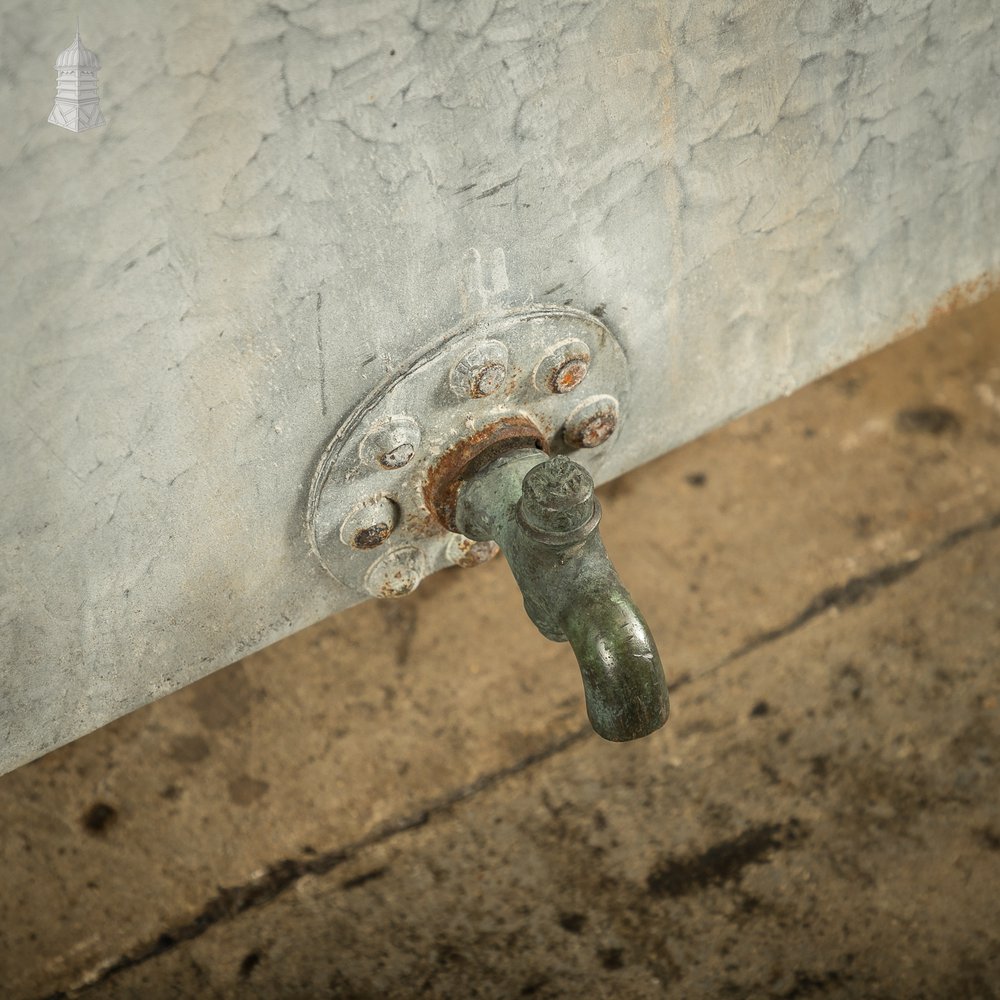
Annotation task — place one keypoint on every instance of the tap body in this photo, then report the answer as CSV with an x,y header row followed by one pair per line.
x,y
544,516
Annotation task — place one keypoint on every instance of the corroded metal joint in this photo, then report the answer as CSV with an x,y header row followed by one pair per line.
x,y
380,514
465,458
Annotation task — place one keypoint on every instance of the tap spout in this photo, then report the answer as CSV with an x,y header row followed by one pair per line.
x,y
544,516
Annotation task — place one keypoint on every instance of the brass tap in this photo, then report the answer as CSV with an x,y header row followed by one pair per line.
x,y
544,516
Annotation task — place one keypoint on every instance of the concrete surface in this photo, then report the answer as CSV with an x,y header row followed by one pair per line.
x,y
405,800
292,198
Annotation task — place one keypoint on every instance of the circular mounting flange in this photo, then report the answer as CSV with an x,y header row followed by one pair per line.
x,y
545,368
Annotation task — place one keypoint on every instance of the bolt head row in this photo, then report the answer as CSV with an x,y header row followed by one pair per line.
x,y
399,571
484,369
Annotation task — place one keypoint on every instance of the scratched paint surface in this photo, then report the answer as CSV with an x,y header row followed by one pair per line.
x,y
290,200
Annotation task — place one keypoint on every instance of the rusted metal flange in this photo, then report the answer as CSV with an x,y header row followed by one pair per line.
x,y
472,453
550,377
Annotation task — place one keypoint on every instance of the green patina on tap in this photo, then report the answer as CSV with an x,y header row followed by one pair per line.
x,y
544,516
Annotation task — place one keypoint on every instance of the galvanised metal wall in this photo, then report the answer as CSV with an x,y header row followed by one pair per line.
x,y
290,199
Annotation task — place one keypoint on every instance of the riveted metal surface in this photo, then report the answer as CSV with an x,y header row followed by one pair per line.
x,y
447,432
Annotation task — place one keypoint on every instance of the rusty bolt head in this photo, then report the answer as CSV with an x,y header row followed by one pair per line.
x,y
395,574
481,372
370,523
372,536
467,552
392,443
592,422
563,368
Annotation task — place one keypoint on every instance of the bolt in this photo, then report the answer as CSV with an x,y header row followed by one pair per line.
x,y
592,423
395,574
563,368
370,523
391,443
481,372
557,495
466,552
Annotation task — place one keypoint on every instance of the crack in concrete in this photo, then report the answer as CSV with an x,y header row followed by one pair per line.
x,y
231,901
857,589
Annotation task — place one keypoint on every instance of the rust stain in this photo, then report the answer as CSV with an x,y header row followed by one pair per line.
x,y
398,585
569,374
958,297
397,458
964,294
470,454
475,553
487,380
372,536
420,524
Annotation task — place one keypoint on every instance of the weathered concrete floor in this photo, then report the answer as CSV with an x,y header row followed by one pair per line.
x,y
404,800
